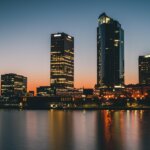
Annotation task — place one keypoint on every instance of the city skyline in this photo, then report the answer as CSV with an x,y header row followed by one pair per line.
x,y
24,39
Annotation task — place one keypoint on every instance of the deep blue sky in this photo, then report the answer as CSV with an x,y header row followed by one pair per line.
x,y
26,25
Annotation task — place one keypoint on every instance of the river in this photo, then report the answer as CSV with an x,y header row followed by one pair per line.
x,y
74,130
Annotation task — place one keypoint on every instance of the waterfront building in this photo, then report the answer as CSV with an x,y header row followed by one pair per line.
x,y
144,69
43,91
62,61
110,53
13,86
137,91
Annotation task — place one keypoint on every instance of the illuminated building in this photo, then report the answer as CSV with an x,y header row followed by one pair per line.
x,y
137,91
13,86
110,52
144,69
62,61
43,91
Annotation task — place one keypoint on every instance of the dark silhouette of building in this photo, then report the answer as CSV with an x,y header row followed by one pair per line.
x,y
30,93
144,69
13,86
62,61
88,91
110,52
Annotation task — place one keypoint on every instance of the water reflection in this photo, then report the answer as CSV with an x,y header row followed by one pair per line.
x,y
74,130
60,129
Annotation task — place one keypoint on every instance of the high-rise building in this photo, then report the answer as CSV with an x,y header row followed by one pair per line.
x,y
13,86
144,69
110,52
62,61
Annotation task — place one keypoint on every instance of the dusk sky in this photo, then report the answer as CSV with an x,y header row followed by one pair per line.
x,y
26,25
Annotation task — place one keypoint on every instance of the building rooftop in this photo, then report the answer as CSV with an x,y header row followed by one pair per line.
x,y
147,56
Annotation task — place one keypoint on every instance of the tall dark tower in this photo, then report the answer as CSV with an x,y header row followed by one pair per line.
x,y
62,61
110,52
144,69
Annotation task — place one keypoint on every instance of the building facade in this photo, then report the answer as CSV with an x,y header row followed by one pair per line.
x,y
44,91
62,61
144,69
13,86
110,52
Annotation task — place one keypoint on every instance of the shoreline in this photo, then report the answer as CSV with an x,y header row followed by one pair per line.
x,y
104,108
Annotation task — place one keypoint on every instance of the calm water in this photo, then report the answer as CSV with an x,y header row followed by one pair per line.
x,y
74,130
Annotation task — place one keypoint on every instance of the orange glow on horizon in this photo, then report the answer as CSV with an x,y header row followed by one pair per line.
x,y
78,84
131,79
33,83
80,81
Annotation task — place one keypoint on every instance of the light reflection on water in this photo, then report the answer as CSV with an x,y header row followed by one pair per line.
x,y
74,130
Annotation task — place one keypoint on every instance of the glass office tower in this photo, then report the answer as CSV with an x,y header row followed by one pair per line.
x,y
62,61
144,69
110,52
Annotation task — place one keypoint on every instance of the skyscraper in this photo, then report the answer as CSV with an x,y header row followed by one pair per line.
x,y
144,69
110,52
62,61
13,86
